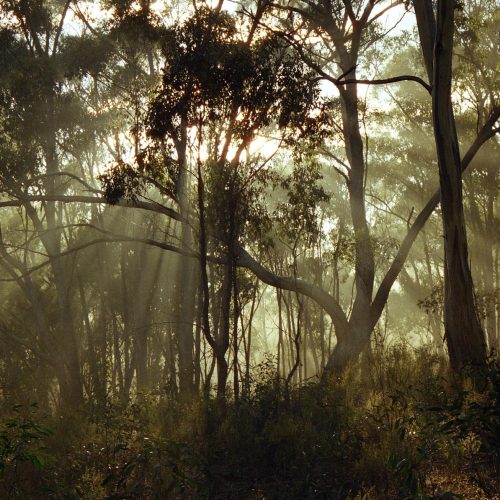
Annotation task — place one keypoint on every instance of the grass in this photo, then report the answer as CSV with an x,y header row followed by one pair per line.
x,y
398,428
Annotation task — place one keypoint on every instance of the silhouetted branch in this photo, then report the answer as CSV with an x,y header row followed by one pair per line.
x,y
150,206
378,304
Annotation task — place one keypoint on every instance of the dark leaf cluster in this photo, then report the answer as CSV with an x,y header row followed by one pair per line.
x,y
121,181
213,74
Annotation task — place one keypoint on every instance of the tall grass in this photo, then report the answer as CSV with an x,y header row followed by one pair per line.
x,y
397,428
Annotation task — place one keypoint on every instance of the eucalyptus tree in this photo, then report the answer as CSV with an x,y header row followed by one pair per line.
x,y
463,332
221,86
226,78
475,96
54,124
345,30
476,83
37,113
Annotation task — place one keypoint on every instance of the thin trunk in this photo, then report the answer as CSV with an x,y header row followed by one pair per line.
x,y
281,352
197,345
236,312
488,262
186,279
117,359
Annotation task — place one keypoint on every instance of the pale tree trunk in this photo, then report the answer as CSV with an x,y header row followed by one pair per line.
x,y
463,333
186,286
236,314
489,265
197,356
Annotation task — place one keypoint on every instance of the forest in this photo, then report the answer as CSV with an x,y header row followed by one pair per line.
x,y
249,249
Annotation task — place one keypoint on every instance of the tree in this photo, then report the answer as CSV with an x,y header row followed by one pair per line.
x,y
345,27
218,92
35,115
181,143
463,332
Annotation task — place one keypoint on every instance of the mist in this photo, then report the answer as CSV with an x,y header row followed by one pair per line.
x,y
249,250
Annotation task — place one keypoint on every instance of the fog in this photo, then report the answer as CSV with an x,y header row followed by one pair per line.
x,y
222,222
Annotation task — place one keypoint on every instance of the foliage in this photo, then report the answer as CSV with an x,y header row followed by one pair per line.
x,y
23,452
239,135
369,435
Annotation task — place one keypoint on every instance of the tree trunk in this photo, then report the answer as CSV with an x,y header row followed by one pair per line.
x,y
353,342
186,286
72,388
488,263
463,333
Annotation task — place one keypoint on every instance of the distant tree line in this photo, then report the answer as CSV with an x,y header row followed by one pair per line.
x,y
178,181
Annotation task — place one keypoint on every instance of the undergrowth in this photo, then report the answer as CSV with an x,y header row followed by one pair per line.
x,y
381,432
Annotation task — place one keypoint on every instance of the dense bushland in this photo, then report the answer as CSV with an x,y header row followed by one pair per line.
x,y
399,428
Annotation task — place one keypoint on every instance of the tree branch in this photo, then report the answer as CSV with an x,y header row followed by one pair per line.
x,y
320,296
150,206
382,81
60,27
378,304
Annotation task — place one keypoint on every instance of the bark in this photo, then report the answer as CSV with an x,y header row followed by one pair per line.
x,y
236,314
463,332
207,331
280,371
223,339
294,333
186,280
248,342
350,346
489,268
197,356
117,360
426,24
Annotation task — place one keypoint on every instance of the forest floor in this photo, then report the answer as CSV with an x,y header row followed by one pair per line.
x,y
397,429
463,483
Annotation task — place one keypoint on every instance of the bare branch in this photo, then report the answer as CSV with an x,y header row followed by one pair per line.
x,y
70,175
378,304
150,206
320,296
60,27
383,81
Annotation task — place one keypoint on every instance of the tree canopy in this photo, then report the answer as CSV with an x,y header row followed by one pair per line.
x,y
196,197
